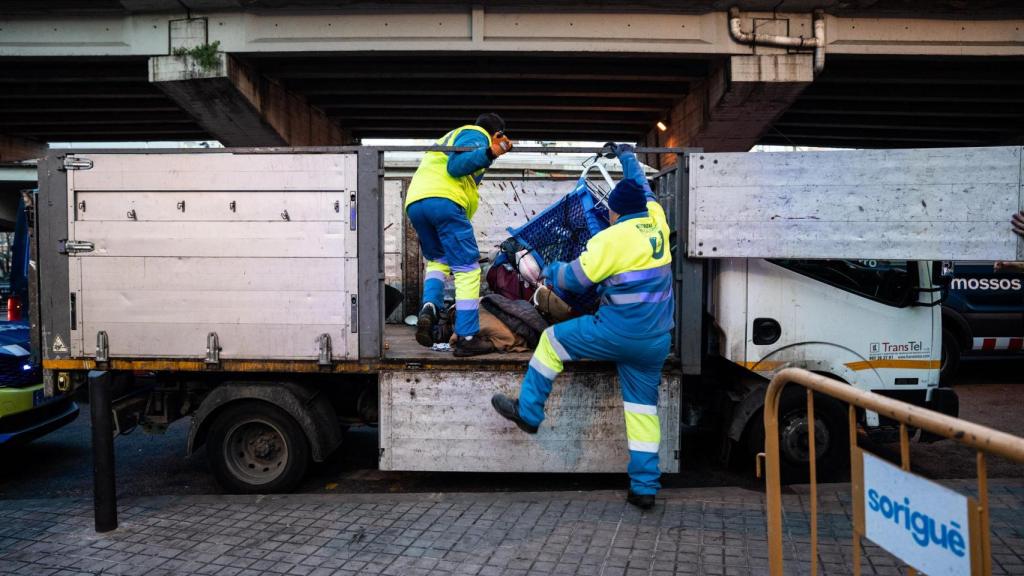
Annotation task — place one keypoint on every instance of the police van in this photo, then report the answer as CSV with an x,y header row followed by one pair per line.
x,y
983,314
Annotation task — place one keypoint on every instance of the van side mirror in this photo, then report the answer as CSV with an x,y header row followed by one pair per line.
x,y
942,272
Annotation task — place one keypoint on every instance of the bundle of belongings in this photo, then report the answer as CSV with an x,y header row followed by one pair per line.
x,y
514,315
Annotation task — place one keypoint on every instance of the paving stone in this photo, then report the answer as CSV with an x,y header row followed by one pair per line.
x,y
717,531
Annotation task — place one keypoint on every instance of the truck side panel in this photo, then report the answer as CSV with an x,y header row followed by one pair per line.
x,y
259,249
930,204
52,318
443,421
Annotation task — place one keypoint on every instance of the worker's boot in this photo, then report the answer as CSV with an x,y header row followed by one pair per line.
x,y
509,408
641,501
472,346
425,323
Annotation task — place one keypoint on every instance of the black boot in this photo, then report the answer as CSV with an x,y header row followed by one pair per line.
x,y
641,501
472,346
509,408
425,323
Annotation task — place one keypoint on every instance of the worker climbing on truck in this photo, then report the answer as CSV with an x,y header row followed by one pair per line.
x,y
632,264
440,203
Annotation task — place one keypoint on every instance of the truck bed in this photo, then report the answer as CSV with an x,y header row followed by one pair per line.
x,y
400,346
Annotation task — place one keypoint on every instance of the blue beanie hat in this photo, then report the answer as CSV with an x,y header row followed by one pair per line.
x,y
627,197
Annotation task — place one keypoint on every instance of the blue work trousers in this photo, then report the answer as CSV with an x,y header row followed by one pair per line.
x,y
639,360
448,243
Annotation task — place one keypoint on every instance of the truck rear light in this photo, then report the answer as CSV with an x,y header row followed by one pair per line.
x,y
13,309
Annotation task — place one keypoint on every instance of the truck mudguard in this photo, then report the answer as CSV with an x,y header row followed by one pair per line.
x,y
308,406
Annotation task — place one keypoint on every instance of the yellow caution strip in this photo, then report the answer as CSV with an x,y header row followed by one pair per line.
x,y
905,364
770,365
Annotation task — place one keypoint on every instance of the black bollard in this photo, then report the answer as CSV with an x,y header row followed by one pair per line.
x,y
104,489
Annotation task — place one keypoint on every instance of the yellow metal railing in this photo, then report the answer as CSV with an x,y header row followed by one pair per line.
x,y
984,440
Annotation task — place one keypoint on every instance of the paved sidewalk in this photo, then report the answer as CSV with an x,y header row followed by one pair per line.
x,y
691,531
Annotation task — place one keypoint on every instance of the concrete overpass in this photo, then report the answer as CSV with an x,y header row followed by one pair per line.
x,y
912,73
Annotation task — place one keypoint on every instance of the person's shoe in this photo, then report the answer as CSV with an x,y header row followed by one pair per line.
x,y
425,323
472,346
509,408
641,501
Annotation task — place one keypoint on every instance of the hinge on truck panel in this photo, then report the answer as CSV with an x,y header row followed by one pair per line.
x,y
352,211
102,347
212,348
324,345
73,163
354,318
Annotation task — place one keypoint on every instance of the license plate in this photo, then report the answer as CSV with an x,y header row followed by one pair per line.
x,y
38,398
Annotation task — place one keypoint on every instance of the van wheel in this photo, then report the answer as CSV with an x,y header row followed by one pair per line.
x,y
831,436
255,447
950,358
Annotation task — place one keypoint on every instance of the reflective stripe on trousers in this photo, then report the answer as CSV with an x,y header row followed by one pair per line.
x,y
639,362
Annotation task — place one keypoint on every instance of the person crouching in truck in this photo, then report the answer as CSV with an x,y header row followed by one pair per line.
x,y
632,264
440,202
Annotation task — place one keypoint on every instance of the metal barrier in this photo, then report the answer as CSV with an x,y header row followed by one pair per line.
x,y
984,440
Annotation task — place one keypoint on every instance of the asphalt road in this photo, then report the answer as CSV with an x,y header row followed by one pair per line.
x,y
991,393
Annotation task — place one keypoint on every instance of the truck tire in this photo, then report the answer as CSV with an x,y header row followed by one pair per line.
x,y
255,447
831,439
950,358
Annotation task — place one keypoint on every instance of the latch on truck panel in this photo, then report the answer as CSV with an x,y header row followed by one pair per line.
x,y
72,247
73,163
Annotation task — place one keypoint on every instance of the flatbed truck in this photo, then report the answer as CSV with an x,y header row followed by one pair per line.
x,y
244,288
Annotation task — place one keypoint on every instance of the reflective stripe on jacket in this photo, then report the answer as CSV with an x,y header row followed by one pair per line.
x,y
632,264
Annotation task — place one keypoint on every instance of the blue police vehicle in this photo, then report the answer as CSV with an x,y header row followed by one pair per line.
x,y
25,413
983,313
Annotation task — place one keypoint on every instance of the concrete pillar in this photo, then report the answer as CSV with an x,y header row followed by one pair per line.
x,y
241,108
735,105
234,103
13,149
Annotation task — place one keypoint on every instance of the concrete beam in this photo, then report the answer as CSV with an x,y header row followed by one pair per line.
x,y
239,107
474,29
14,149
735,105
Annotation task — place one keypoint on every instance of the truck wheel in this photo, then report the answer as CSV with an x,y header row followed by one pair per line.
x,y
950,358
831,436
255,447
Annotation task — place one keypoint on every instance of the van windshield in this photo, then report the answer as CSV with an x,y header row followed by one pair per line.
x,y
889,281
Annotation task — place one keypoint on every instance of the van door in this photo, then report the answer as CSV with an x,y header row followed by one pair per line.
x,y
853,319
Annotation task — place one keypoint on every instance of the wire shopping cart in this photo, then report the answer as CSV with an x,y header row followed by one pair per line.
x,y
561,231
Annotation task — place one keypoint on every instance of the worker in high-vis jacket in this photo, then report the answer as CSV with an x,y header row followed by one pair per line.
x,y
440,203
631,263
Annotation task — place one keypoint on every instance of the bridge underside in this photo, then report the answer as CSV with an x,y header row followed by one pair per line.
x,y
868,102
560,75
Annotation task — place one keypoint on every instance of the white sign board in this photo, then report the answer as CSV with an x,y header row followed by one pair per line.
x,y
918,521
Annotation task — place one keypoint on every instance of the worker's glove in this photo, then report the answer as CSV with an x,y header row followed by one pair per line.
x,y
1018,223
547,275
613,150
500,144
